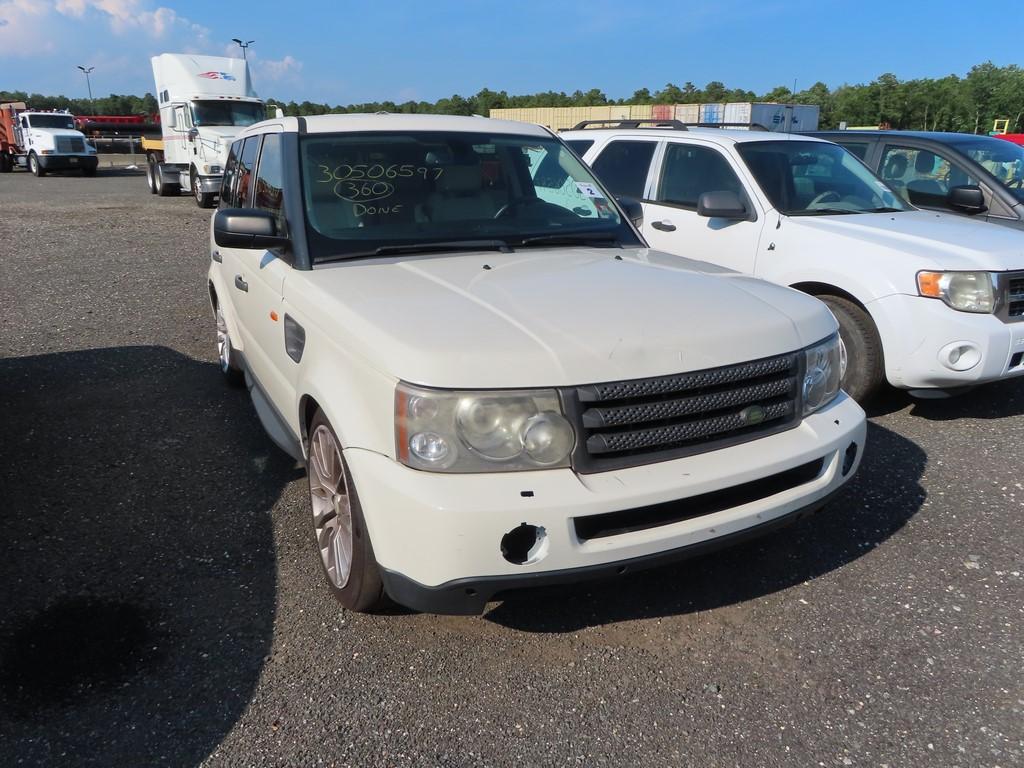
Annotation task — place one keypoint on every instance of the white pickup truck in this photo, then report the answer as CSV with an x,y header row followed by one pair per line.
x,y
491,390
930,301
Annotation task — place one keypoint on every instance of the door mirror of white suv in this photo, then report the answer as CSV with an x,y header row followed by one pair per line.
x,y
722,205
246,228
633,210
967,198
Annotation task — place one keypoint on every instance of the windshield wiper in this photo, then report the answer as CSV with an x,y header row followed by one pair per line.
x,y
885,209
824,212
573,238
453,245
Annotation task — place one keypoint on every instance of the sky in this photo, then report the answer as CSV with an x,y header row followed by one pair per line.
x,y
346,52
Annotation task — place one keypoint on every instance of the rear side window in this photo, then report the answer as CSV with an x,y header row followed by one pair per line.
x,y
246,164
580,146
859,150
690,171
269,181
227,198
623,166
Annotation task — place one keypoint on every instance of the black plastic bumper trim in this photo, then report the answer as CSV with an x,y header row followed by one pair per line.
x,y
468,597
64,163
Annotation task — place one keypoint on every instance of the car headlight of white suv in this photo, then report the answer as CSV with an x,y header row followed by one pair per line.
x,y
964,291
825,364
481,431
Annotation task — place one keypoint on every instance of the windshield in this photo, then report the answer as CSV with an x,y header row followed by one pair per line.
x,y
227,113
51,121
1001,158
406,191
804,178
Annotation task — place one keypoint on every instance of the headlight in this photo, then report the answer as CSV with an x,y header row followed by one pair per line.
x,y
489,431
211,169
823,371
965,291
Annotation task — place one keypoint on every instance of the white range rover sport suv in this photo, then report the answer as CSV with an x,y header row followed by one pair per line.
x,y
491,390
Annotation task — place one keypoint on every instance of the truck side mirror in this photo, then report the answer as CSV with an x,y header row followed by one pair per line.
x,y
193,134
247,228
722,204
172,119
968,198
633,209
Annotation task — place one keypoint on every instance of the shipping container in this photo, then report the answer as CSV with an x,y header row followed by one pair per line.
x,y
642,112
687,113
662,112
738,112
712,113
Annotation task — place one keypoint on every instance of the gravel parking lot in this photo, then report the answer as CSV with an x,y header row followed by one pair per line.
x,y
162,601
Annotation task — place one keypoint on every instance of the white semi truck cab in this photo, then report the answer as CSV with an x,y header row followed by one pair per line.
x,y
43,141
205,101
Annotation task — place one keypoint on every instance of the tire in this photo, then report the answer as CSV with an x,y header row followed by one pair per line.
x,y
165,188
338,524
227,356
203,199
35,166
6,163
151,175
865,365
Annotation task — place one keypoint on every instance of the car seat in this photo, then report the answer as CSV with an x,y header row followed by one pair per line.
x,y
922,187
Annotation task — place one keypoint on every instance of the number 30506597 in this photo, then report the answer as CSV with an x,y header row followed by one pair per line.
x,y
345,172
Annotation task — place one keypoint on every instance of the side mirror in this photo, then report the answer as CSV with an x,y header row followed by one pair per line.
x,y
172,119
633,209
967,198
247,228
722,205
193,134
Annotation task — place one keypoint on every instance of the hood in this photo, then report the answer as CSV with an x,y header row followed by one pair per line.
x,y
937,241
56,132
553,317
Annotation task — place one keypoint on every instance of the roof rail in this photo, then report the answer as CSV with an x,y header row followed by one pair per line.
x,y
751,126
673,124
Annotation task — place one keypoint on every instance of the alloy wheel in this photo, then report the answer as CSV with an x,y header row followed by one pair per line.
x,y
332,511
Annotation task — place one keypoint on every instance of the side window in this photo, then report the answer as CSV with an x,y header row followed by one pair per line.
x,y
227,192
859,150
580,146
921,176
246,162
623,166
689,171
270,180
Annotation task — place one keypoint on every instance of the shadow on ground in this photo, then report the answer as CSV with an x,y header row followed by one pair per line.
x,y
997,400
885,494
137,568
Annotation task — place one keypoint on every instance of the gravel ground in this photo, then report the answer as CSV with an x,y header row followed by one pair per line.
x,y
162,602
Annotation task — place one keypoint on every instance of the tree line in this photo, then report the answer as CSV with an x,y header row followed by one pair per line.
x,y
969,104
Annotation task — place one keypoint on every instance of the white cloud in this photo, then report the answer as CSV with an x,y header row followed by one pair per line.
x,y
278,69
23,29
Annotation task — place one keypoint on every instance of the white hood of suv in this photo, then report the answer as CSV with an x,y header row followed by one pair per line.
x,y
933,240
554,317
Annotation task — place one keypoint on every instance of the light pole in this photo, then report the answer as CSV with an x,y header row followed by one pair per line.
x,y
88,84
242,45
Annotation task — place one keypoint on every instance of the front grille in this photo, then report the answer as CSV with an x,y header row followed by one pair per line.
x,y
1015,296
69,144
641,421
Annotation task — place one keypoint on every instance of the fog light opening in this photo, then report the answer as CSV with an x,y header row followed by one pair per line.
x,y
960,356
525,544
849,458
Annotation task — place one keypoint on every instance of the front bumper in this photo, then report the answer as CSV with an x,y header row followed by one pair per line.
x,y
68,162
916,330
438,537
210,184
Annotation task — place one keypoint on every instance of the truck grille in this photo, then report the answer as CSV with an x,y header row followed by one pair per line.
x,y
1015,296
67,145
641,421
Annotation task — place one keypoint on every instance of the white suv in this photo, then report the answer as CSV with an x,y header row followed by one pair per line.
x,y
491,390
929,301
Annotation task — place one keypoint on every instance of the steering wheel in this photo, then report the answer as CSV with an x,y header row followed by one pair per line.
x,y
829,196
516,202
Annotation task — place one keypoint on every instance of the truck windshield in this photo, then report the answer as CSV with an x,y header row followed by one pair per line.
x,y
227,113
366,193
52,121
805,178
1003,159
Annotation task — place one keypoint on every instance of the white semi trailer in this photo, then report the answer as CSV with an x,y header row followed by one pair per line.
x,y
205,101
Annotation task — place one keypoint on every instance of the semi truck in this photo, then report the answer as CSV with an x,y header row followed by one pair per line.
x,y
205,101
42,141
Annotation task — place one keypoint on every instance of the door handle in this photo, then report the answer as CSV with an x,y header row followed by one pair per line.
x,y
215,255
664,226
240,284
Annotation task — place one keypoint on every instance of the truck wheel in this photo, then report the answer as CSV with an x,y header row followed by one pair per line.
x,y
203,199
865,370
151,175
346,554
35,166
226,354
6,164
165,187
